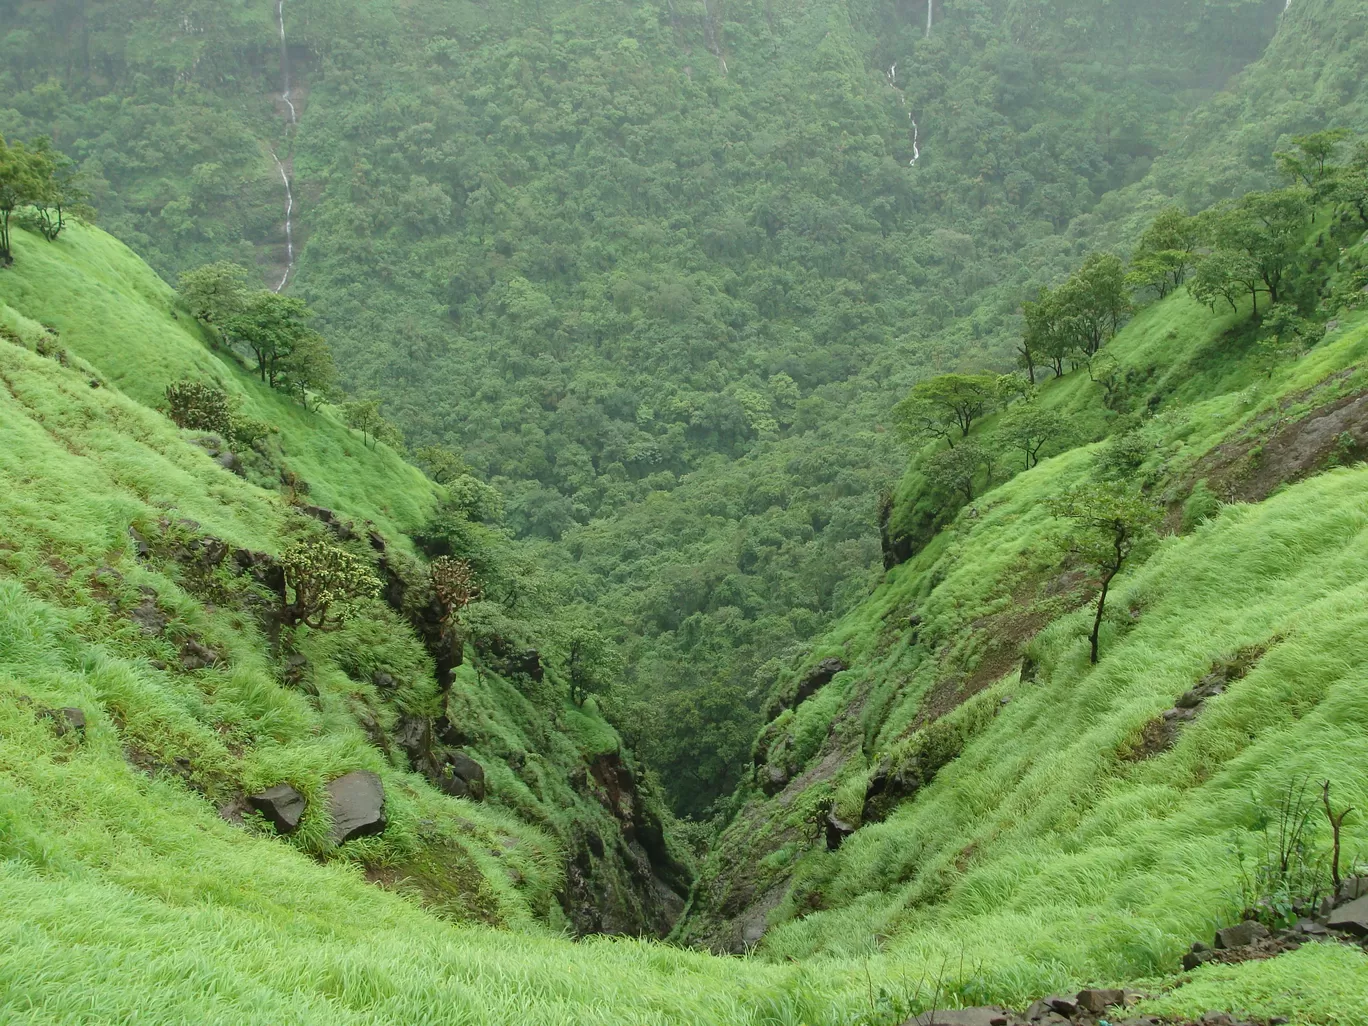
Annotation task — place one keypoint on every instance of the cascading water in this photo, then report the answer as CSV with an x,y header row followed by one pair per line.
x,y
916,132
284,173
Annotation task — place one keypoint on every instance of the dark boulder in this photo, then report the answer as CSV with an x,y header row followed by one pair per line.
x,y
357,802
1351,918
282,806
1097,1000
462,777
146,614
230,461
67,720
818,677
195,655
141,549
837,830
1240,936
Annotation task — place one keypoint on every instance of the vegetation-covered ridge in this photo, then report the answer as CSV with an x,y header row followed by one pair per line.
x,y
233,613
1118,639
657,268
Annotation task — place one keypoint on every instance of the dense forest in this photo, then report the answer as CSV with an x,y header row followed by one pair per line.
x,y
645,264
495,497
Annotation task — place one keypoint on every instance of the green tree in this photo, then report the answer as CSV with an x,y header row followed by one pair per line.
x,y
1111,522
1265,230
216,293
441,463
591,663
25,179
957,470
324,584
946,406
1225,274
1092,303
1309,162
200,407
1028,427
271,326
1164,254
63,194
307,368
365,416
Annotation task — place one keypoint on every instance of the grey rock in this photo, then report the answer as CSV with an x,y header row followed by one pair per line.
x,y
1066,1006
67,720
1352,888
837,830
230,462
1351,918
463,777
282,806
1097,1001
1311,928
1242,935
357,802
983,1016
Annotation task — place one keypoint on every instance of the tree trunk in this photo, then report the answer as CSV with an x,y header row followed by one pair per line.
x,y
1101,605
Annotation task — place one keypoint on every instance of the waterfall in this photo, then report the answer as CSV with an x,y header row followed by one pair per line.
x,y
931,11
284,174
916,132
289,222
916,152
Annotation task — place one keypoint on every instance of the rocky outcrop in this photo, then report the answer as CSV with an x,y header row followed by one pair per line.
x,y
282,806
813,681
634,887
357,803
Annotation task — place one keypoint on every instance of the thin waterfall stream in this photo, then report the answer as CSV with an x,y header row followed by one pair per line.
x,y
280,166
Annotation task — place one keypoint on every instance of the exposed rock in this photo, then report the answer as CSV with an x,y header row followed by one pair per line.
x,y
141,549
1029,669
1097,1001
146,614
341,529
837,830
983,1016
67,720
282,806
816,678
773,779
195,655
463,777
357,803
1354,887
1351,918
231,462
1242,935
1066,1006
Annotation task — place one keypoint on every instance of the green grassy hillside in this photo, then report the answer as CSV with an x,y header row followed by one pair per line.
x,y
1050,841
92,475
1051,849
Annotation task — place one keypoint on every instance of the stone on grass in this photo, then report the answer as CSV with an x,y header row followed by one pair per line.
x,y
1097,1001
357,802
1351,918
1242,935
282,806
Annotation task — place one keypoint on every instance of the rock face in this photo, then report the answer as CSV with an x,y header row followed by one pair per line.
x,y
463,777
1351,918
282,806
816,678
357,801
1240,936
68,720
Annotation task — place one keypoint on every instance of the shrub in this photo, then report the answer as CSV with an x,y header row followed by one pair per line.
x,y
200,407
324,584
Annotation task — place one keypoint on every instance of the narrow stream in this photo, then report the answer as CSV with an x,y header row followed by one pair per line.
x,y
916,132
284,173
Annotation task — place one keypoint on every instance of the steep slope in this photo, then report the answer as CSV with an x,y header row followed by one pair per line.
x,y
127,547
609,249
967,790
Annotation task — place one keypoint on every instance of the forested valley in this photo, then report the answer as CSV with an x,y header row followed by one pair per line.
x,y
748,473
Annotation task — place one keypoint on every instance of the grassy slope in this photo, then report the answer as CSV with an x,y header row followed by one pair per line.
x,y
1042,858
124,892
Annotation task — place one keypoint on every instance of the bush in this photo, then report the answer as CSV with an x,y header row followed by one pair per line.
x,y
200,407
1123,454
324,584
1200,507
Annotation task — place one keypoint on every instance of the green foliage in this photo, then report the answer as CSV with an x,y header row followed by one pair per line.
x,y
365,416
946,406
1028,427
216,293
957,470
324,584
1200,506
200,407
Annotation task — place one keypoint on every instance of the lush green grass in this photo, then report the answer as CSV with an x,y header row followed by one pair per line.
x,y
1041,858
